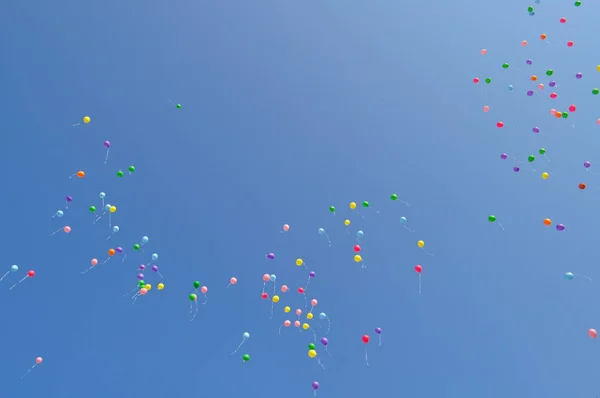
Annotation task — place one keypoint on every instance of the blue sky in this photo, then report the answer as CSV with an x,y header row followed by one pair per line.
x,y
288,108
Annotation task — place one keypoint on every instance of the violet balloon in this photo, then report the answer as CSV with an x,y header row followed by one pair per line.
x,y
107,144
503,156
142,267
155,268
140,276
578,75
271,256
69,198
378,330
586,164
119,249
529,62
535,130
552,83
315,385
312,274
529,93
516,169
560,227
324,341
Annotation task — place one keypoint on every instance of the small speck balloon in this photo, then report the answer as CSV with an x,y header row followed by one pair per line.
x,y
14,268
569,276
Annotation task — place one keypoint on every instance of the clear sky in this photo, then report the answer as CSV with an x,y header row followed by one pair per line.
x,y
290,107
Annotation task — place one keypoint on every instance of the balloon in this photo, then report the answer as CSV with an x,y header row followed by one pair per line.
x,y
160,286
314,302
92,209
315,385
266,278
67,229
357,248
298,312
272,277
309,316
403,220
286,227
287,309
332,209
275,299
569,276
94,262
264,296
15,268
246,335
547,222
233,281
145,239
321,231
246,357
154,257
587,164
113,209
491,218
39,360
120,173
365,339
111,252
299,262
80,174
357,258
204,289
365,204
545,175
324,341
60,213
486,108
560,227
116,229
311,346
107,144
31,273
86,119
193,297
347,222
196,284
582,186
312,353
360,234
287,323
418,268
421,244
592,333
378,330
322,315
102,195
352,205
301,290
312,274
131,169
271,256
284,288
119,250
297,324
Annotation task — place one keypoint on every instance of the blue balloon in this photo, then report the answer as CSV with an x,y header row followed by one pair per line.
x,y
569,276
59,213
107,208
321,231
154,257
246,335
403,220
102,195
360,234
116,229
272,277
323,315
145,239
14,268
511,87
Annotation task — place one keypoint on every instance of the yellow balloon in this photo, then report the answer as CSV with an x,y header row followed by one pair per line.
x,y
545,175
305,326
148,286
287,309
357,258
309,315
312,353
160,286
421,244
598,68
86,119
352,205
275,299
346,222
113,209
299,262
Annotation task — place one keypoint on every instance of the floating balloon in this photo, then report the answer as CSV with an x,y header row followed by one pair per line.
x,y
107,146
419,270
13,268
66,229
570,276
245,357
30,274
492,218
404,221
285,228
323,316
592,333
38,361
365,339
245,337
115,229
378,331
322,232
421,245
232,281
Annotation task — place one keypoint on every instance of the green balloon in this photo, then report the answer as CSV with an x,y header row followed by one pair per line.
x,y
595,91
577,3
394,197
332,209
530,158
131,169
311,346
178,106
136,246
92,208
505,65
120,173
142,283
488,80
530,9
196,285
246,357
549,72
542,151
365,204
192,297
491,218
565,115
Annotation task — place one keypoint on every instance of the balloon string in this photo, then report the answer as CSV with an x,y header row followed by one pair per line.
x,y
280,329
501,226
109,220
55,232
105,261
124,257
106,158
320,363
239,346
127,294
327,351
86,271
366,356
380,340
22,279
305,302
4,276
583,276
28,370
314,336
196,312
419,283
272,307
408,229
426,252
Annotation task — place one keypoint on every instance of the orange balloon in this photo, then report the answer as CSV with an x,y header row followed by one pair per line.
x,y
543,36
111,252
533,78
582,186
547,222
558,114
80,174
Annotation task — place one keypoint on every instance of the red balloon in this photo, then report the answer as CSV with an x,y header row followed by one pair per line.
x,y
366,338
264,296
300,290
356,248
418,268
31,273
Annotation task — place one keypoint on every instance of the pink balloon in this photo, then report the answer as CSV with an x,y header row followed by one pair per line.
x,y
94,262
298,312
67,229
284,288
314,302
592,333
297,324
483,51
39,360
597,121
286,227
204,289
486,108
287,324
143,291
233,281
266,278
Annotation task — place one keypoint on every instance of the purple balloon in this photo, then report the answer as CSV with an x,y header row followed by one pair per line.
x,y
312,274
516,169
107,144
378,330
142,267
529,62
155,268
119,249
324,341
586,164
315,385
503,156
140,276
69,198
578,75
535,130
552,83
529,93
271,256
560,227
